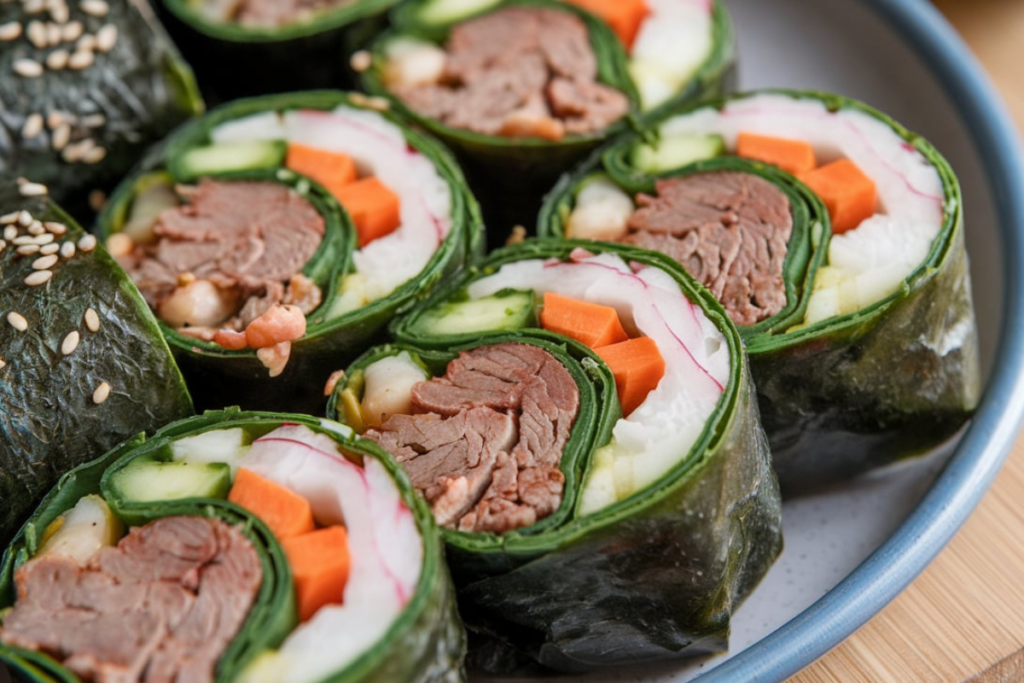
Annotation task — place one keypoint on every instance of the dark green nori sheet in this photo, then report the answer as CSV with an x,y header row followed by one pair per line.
x,y
218,377
655,576
141,88
426,644
49,422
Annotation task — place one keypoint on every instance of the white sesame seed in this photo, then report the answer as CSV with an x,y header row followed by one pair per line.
x,y
45,262
94,120
59,11
3,245
42,240
57,60
87,242
81,59
70,343
97,8
101,393
34,6
10,232
52,33
92,320
60,137
36,229
29,68
32,189
55,118
120,244
67,250
95,155
87,43
10,31
25,218
3,364
17,321
361,61
71,31
36,33
48,249
106,38
33,126
38,278
9,218
28,249
74,152
55,228
24,239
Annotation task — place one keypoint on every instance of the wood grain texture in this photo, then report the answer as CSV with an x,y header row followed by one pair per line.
x,y
962,620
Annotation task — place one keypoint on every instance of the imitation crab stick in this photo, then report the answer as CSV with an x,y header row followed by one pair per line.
x,y
331,169
623,16
792,156
590,324
286,513
374,208
320,564
637,365
849,195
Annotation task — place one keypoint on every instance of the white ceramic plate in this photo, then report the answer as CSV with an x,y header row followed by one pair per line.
x,y
850,550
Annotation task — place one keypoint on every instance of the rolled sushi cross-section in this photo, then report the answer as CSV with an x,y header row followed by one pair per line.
x,y
662,475
86,89
279,235
232,547
83,364
884,317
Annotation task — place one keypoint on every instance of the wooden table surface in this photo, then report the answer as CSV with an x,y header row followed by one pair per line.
x,y
963,618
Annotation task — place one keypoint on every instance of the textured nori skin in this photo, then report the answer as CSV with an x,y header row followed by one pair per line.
x,y
49,422
653,577
142,87
304,56
426,644
854,392
220,378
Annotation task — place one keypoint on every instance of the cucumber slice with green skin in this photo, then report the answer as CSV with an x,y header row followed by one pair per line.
x,y
227,158
676,151
439,12
148,481
505,311
216,446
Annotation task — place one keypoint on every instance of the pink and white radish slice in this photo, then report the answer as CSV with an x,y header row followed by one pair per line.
x,y
663,429
378,147
384,543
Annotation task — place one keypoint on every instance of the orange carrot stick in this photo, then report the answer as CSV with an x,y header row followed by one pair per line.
x,y
638,367
849,195
623,16
793,156
591,324
285,512
320,564
374,208
331,169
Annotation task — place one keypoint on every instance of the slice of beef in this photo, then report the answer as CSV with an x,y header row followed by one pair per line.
x,y
247,237
501,73
730,230
161,606
487,438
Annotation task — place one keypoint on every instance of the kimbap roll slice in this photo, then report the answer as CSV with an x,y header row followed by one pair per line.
x,y
232,547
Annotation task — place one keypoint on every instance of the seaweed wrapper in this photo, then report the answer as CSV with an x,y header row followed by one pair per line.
x,y
50,421
424,645
654,576
857,391
309,54
222,377
125,99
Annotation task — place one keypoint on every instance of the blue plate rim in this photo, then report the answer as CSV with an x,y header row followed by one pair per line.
x,y
987,442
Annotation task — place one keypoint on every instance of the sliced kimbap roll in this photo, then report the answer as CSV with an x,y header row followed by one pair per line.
x,y
87,87
83,364
278,235
582,422
234,546
833,237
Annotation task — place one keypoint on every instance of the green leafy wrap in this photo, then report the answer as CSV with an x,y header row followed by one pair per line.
x,y
600,581
82,362
84,94
879,362
284,47
132,485
362,286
